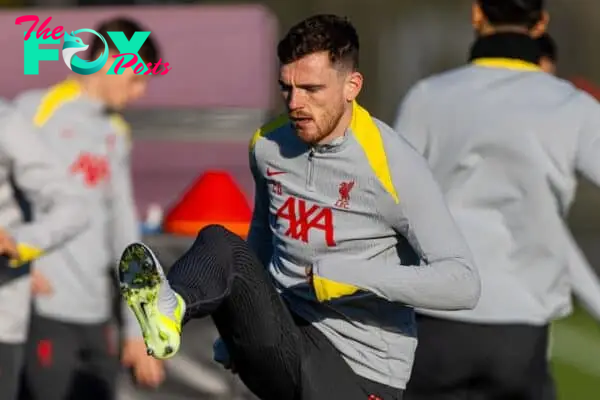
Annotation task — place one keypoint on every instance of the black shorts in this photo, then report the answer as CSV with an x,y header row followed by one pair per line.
x,y
465,361
277,355
70,361
11,361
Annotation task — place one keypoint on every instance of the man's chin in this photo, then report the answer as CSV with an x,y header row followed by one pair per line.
x,y
308,137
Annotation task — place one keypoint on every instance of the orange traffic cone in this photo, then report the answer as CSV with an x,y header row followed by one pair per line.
x,y
214,198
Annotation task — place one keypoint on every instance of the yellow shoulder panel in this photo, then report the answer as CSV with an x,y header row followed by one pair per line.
x,y
267,128
57,96
369,137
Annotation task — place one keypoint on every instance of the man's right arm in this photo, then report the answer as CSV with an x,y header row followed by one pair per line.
x,y
587,159
260,235
45,183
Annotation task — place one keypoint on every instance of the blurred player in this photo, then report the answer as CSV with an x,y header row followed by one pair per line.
x,y
584,279
28,170
349,232
72,352
586,285
504,140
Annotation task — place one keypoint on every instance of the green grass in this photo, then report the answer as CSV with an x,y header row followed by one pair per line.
x,y
576,376
573,384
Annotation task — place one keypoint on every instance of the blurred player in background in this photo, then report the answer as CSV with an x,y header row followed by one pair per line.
x,y
505,141
28,170
586,285
73,350
349,232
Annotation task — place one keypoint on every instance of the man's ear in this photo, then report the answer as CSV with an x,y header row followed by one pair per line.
x,y
353,86
542,25
478,19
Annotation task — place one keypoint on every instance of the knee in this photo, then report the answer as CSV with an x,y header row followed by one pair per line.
x,y
217,241
217,235
223,244
213,231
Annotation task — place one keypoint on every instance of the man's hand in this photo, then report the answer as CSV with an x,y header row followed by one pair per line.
x,y
309,275
326,289
8,247
40,286
221,355
147,370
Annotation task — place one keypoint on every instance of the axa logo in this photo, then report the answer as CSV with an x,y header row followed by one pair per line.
x,y
304,218
72,44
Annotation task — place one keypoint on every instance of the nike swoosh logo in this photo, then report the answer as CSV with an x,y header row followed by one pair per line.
x,y
270,172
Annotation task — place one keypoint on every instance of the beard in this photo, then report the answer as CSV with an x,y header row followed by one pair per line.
x,y
314,130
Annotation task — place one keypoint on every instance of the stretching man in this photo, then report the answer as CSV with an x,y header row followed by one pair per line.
x,y
349,232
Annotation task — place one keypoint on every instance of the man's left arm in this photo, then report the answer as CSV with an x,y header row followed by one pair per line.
x,y
446,279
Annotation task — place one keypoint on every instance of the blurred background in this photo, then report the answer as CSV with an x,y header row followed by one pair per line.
x,y
222,86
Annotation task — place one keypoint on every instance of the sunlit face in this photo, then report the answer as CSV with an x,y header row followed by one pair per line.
x,y
120,90
548,65
317,94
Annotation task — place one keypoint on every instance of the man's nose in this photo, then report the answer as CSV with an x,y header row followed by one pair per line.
x,y
295,100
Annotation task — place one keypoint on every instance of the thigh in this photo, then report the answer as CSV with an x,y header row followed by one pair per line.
x,y
277,355
51,358
11,359
519,366
251,318
96,377
445,360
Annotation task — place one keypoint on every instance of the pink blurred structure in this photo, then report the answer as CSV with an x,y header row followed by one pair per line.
x,y
222,56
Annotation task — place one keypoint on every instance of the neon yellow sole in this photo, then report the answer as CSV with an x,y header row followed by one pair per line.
x,y
140,277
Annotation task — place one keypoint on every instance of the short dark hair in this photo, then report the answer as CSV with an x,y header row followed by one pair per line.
x,y
324,32
513,12
548,47
149,51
